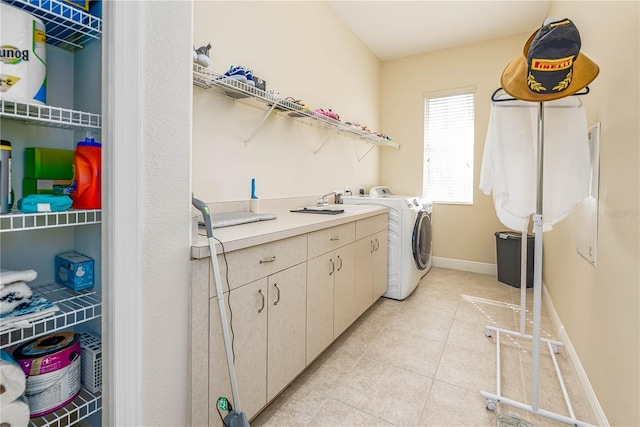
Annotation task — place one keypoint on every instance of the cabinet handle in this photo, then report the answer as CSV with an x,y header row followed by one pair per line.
x,y
278,289
340,259
266,260
262,295
373,247
334,238
377,245
333,267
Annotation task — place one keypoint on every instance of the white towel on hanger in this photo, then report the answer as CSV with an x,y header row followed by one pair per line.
x,y
509,164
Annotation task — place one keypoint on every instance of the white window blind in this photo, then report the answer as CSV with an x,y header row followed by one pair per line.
x,y
448,148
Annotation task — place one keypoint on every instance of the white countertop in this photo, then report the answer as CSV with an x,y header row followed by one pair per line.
x,y
287,224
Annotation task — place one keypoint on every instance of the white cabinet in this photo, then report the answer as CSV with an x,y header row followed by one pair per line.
x,y
248,311
370,261
289,300
330,286
31,241
380,264
343,291
319,305
268,319
286,330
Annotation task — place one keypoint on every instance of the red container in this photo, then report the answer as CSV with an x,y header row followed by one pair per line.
x,y
86,192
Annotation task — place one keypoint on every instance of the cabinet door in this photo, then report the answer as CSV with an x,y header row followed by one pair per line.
x,y
344,312
320,272
249,320
364,274
380,264
286,327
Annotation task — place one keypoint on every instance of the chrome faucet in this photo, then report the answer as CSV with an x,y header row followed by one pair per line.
x,y
322,201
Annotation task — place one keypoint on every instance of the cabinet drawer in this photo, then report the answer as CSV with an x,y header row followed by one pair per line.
x,y
323,241
368,226
255,262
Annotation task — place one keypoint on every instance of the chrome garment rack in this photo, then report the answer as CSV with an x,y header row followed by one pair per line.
x,y
492,399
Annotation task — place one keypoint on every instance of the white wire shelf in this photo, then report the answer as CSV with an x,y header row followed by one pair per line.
x,y
75,308
66,26
84,405
220,84
18,221
47,115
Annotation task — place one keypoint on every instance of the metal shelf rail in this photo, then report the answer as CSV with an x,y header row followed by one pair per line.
x,y
75,308
47,115
220,84
18,221
67,27
81,407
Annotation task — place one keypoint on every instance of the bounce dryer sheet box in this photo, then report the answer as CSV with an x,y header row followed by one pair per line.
x,y
74,270
48,163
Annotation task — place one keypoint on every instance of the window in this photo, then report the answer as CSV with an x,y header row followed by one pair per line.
x,y
448,147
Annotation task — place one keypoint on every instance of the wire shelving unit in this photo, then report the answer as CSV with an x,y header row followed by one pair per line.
x,y
212,81
68,28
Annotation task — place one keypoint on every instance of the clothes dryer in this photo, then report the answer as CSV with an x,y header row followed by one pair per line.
x,y
410,227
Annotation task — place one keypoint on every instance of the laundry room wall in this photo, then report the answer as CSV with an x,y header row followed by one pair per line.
x,y
460,232
301,49
600,305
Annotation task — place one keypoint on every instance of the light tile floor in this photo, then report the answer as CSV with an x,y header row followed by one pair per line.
x,y
423,362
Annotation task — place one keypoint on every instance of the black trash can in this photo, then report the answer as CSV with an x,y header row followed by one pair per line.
x,y
508,250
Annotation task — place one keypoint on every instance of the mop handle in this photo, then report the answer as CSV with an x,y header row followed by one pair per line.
x,y
206,214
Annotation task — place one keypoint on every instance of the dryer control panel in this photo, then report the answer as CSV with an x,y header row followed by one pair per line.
x,y
380,192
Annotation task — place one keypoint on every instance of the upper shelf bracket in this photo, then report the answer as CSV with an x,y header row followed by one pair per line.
x,y
264,119
365,154
322,145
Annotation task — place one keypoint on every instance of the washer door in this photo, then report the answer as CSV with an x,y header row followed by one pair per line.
x,y
422,240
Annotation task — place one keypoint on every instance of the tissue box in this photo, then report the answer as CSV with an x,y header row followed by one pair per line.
x,y
74,270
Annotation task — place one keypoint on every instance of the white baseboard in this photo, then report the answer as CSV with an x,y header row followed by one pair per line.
x,y
592,400
459,264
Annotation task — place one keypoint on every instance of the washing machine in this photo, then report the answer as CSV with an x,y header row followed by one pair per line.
x,y
410,226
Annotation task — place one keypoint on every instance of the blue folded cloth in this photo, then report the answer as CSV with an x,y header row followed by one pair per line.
x,y
22,317
14,296
44,203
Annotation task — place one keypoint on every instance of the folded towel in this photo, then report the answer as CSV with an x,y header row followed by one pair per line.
x,y
14,296
12,380
44,203
21,318
9,276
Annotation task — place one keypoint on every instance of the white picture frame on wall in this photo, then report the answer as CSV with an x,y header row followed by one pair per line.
x,y
587,210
